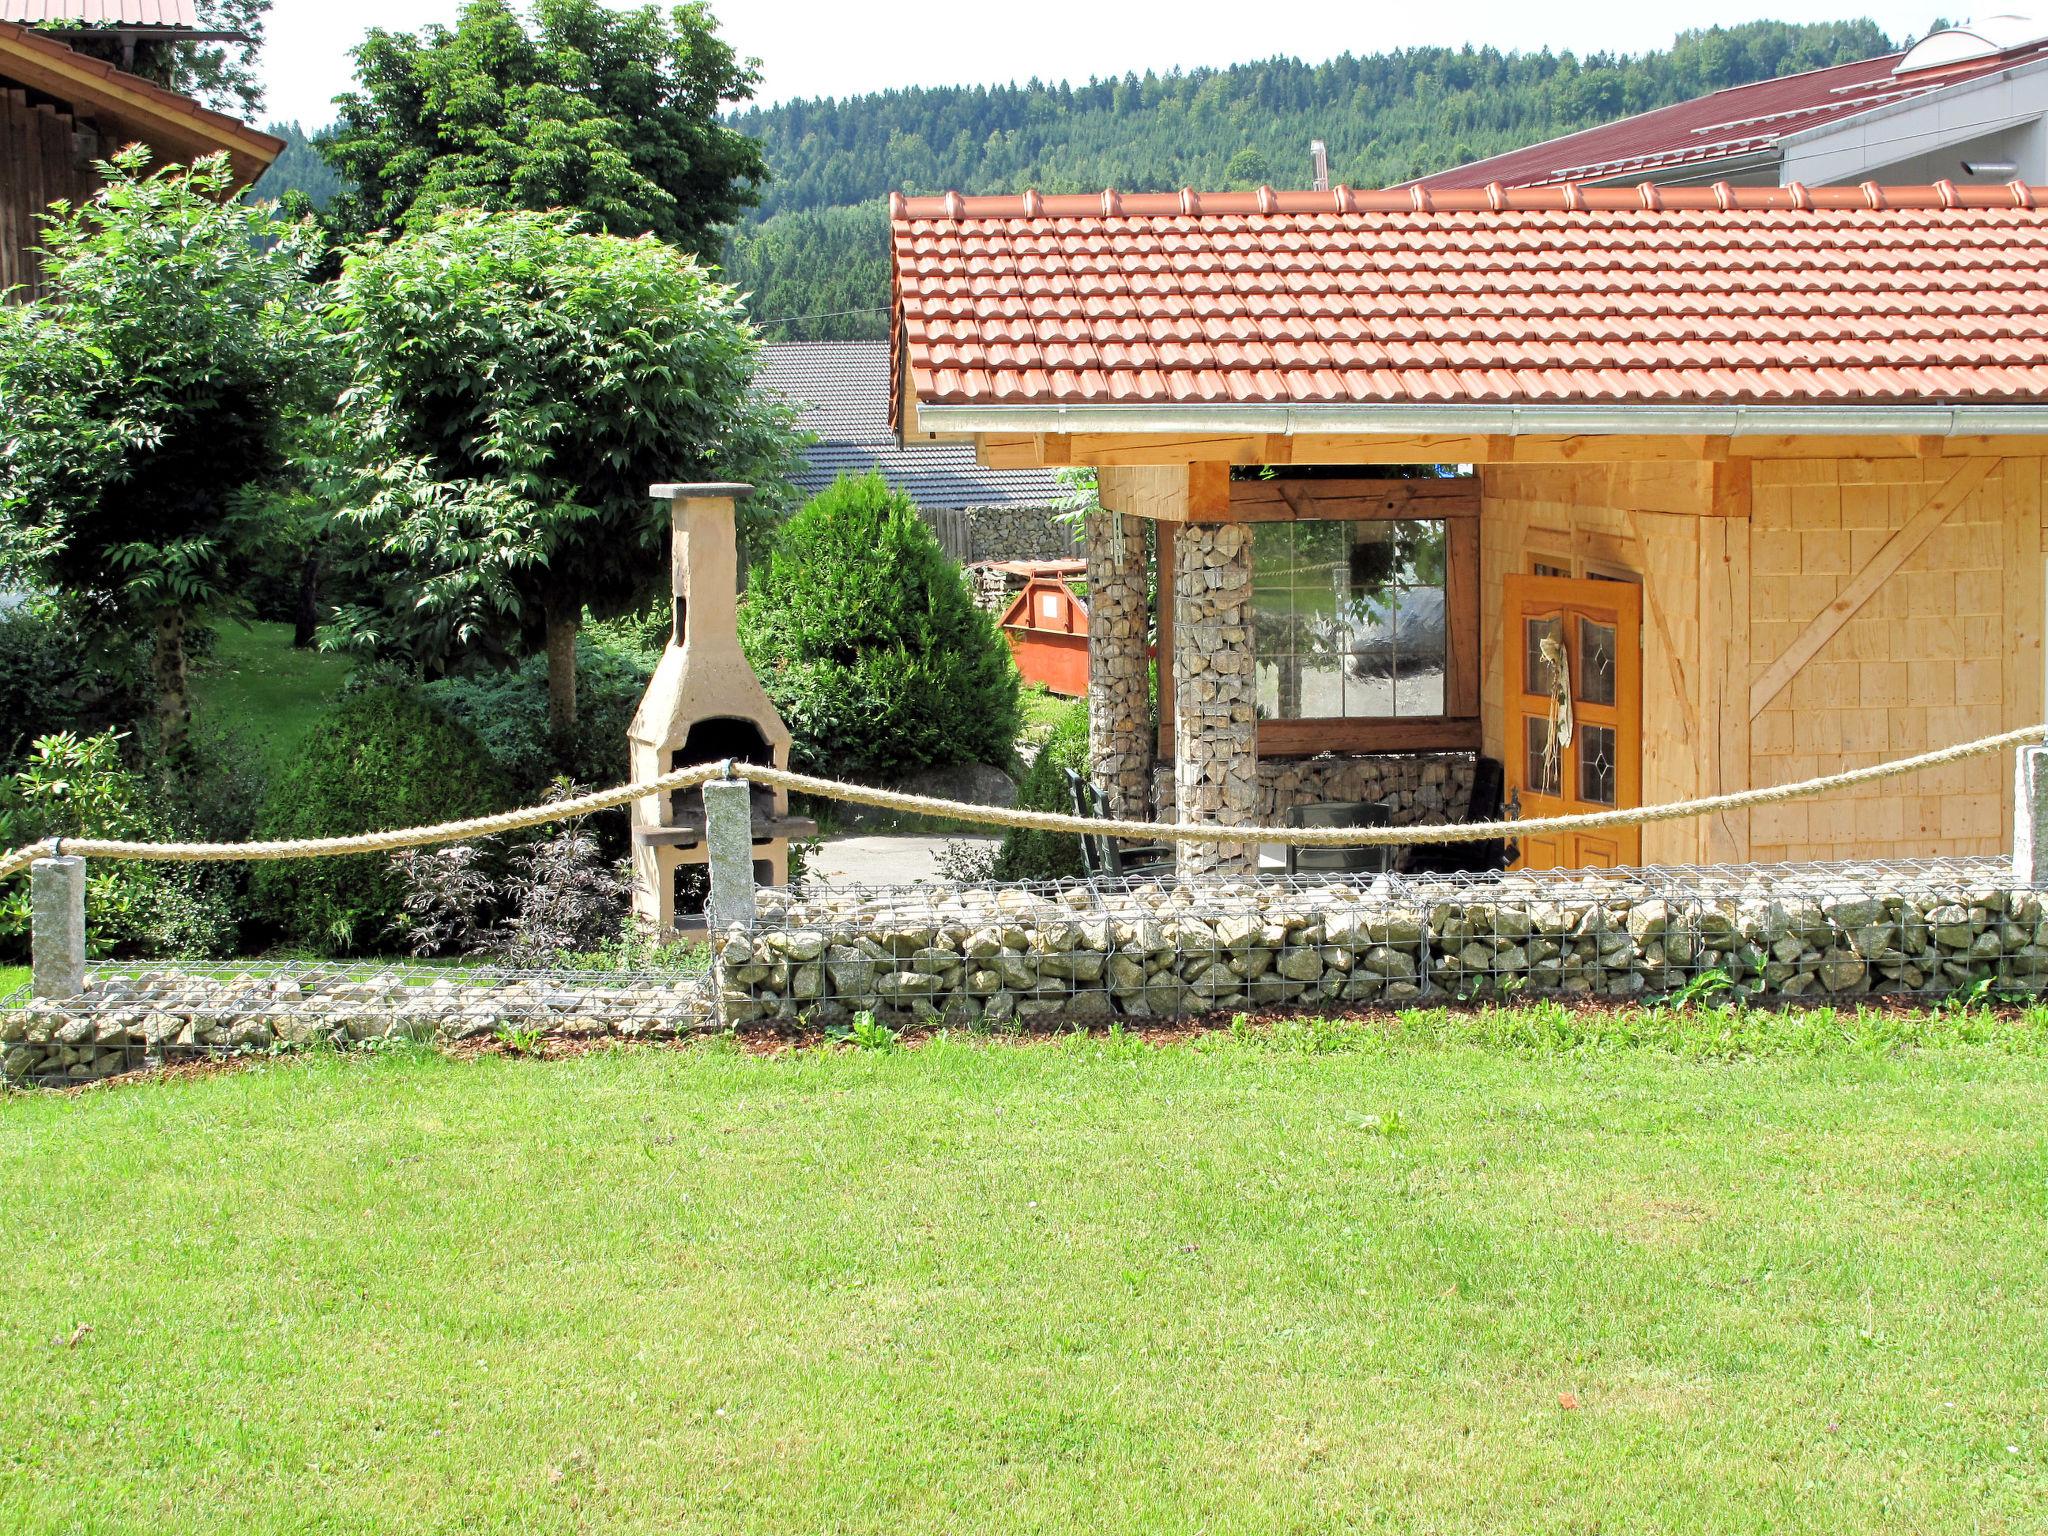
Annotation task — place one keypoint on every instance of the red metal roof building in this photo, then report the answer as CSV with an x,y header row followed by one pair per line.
x,y
1762,468
102,13
1964,96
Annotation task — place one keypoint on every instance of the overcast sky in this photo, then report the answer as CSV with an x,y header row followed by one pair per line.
x,y
841,47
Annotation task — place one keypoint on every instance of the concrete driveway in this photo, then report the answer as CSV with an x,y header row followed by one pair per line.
x,y
884,860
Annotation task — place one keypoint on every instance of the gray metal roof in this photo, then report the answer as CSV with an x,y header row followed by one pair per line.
x,y
843,387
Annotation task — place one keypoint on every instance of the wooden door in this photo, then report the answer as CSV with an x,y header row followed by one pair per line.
x,y
1594,629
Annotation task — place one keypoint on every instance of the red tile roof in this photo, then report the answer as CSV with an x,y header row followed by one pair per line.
x,y
1567,296
1741,121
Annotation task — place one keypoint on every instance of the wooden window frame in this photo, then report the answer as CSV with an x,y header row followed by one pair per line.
x,y
1454,502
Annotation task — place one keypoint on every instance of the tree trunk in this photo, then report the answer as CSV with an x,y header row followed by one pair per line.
x,y
173,708
562,627
306,626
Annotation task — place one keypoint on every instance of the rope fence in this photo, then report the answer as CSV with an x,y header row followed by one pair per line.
x,y
1004,816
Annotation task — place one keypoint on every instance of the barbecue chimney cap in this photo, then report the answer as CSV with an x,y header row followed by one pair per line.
x,y
731,490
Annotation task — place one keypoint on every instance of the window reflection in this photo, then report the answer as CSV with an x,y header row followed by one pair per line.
x,y
1349,618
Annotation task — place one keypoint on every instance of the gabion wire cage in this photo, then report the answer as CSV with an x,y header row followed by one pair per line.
x,y
1016,955
1157,949
133,1014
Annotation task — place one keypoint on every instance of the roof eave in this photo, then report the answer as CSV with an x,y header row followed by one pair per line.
x,y
1510,420
185,127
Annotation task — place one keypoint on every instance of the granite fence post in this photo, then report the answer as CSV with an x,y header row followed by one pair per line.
x,y
57,926
729,847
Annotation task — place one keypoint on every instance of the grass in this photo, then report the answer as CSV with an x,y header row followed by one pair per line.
x,y
1313,1278
270,695
1042,711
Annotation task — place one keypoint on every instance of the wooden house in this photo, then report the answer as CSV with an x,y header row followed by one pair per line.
x,y
62,110
1700,488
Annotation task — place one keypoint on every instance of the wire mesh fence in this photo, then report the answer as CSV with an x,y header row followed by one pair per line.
x,y
1001,953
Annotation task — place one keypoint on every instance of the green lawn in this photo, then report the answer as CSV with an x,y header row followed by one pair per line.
x,y
270,695
1313,1280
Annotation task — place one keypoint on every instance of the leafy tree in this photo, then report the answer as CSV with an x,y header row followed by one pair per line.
x,y
517,385
144,402
868,639
575,106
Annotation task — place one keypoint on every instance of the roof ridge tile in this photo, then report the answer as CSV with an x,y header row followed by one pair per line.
x,y
1346,205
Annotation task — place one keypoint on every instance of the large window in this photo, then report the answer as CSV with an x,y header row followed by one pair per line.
x,y
1365,610
1349,618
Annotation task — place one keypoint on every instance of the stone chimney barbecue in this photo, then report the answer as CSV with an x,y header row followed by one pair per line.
x,y
704,705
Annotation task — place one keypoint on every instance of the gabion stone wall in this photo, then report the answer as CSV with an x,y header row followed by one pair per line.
x,y
1215,713
1120,733
1019,533
1419,787
997,955
137,1016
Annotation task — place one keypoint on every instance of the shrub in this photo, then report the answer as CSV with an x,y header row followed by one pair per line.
x,y
1030,855
561,897
508,711
77,786
65,666
868,640
381,759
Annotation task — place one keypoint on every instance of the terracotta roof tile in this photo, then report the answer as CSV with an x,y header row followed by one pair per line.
x,y
1717,295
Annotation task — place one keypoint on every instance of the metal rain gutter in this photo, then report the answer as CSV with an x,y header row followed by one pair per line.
x,y
1453,420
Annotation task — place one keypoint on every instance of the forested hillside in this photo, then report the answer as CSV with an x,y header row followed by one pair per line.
x,y
300,168
813,253
813,258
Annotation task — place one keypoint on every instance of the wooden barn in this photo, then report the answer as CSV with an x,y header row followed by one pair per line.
x,y
1645,494
61,110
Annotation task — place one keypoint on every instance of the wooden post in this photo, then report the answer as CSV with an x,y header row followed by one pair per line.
x,y
729,844
57,926
2030,818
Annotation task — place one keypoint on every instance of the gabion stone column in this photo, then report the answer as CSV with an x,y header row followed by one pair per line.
x,y
1120,735
1215,721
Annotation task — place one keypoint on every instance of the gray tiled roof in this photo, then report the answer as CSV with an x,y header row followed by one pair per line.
x,y
844,387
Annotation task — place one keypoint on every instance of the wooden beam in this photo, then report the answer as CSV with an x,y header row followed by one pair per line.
x,y
1155,491
1826,624
1306,738
1724,761
1352,498
1656,602
1209,490
1465,663
2025,591
1011,450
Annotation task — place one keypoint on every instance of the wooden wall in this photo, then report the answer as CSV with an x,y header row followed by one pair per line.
x,y
39,163
1899,603
1802,615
